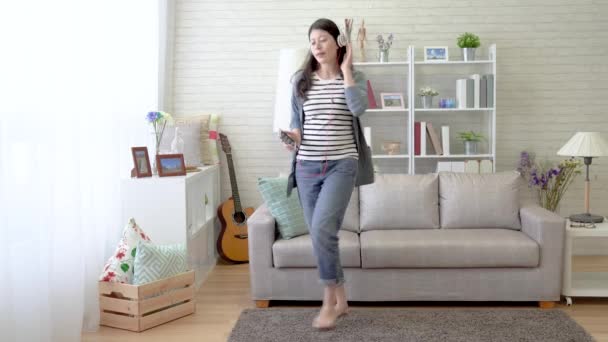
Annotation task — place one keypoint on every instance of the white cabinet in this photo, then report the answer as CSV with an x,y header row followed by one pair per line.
x,y
398,125
179,209
583,284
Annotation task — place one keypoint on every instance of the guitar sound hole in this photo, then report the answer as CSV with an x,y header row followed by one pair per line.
x,y
239,217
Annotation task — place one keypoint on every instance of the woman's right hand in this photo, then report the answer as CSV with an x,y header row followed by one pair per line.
x,y
296,136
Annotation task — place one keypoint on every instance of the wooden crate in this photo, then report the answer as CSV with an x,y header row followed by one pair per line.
x,y
142,307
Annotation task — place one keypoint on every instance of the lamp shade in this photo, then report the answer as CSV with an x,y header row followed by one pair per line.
x,y
290,60
585,144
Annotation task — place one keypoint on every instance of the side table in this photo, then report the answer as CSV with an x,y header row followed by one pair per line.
x,y
583,284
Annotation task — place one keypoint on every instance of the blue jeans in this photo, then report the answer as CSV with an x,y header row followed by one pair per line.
x,y
324,189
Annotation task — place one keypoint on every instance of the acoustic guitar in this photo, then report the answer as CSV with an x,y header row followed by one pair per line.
x,y
232,243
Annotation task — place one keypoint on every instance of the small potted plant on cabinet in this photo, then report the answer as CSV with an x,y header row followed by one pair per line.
x,y
470,140
468,42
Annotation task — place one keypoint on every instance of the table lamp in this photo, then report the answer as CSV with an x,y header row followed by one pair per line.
x,y
290,60
586,145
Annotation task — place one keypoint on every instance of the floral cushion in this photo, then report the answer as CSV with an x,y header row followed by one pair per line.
x,y
119,267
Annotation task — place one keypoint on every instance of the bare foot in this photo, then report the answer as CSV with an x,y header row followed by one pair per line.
x,y
342,309
326,318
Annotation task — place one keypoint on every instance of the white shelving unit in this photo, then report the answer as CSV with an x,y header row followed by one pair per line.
x,y
398,124
179,209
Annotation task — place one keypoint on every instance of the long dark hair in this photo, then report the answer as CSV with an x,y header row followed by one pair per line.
x,y
310,63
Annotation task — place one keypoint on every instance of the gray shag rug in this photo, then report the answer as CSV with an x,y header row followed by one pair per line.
x,y
428,325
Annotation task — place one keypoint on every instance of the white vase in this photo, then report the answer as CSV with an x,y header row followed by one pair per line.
x,y
155,150
177,145
427,101
383,56
470,147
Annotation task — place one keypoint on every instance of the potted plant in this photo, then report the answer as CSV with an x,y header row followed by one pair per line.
x,y
470,140
468,42
426,96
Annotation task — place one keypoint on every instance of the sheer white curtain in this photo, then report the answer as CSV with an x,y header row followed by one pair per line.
x,y
76,80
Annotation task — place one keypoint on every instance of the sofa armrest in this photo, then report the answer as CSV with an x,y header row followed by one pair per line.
x,y
261,235
548,230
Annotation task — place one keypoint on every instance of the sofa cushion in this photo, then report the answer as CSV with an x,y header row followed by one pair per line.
x,y
462,248
119,267
351,217
297,252
489,200
156,262
287,211
398,201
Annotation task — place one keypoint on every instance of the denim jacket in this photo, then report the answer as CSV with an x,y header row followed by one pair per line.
x,y
356,99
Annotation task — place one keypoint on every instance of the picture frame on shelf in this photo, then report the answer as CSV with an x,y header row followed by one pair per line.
x,y
392,101
141,162
170,165
436,54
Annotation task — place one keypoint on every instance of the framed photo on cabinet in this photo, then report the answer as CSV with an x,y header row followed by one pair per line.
x,y
141,162
170,165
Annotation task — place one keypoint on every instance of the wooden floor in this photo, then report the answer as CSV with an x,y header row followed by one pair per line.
x,y
226,293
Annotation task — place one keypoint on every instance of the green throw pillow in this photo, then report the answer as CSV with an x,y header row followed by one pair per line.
x,y
287,211
155,262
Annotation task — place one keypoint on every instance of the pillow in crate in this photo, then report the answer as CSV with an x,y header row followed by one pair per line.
x,y
156,262
119,267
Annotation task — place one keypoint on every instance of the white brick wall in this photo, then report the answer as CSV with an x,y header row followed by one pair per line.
x,y
552,70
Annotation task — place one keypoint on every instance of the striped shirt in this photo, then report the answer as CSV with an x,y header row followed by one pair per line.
x,y
328,123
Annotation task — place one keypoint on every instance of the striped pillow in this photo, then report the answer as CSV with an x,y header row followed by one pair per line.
x,y
155,262
287,211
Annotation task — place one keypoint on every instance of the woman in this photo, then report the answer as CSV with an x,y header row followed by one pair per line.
x,y
331,156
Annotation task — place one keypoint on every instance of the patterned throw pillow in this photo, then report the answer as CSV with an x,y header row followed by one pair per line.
x,y
155,262
287,211
119,267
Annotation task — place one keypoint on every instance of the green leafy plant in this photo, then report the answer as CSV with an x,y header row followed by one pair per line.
x,y
468,40
470,136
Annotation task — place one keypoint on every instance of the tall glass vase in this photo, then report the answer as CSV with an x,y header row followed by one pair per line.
x,y
155,143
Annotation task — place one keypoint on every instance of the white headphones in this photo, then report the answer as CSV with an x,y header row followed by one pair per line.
x,y
344,39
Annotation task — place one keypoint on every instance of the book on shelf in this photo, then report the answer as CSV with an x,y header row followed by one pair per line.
x,y
371,99
486,166
423,138
461,93
489,90
467,166
457,166
417,138
483,91
434,137
444,166
445,139
471,166
476,91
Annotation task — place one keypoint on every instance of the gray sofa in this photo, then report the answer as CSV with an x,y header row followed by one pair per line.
x,y
433,237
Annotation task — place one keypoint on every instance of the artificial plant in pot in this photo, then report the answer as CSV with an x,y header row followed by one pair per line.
x,y
468,42
470,140
426,96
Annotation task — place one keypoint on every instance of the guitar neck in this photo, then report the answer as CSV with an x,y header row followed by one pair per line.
x,y
235,188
